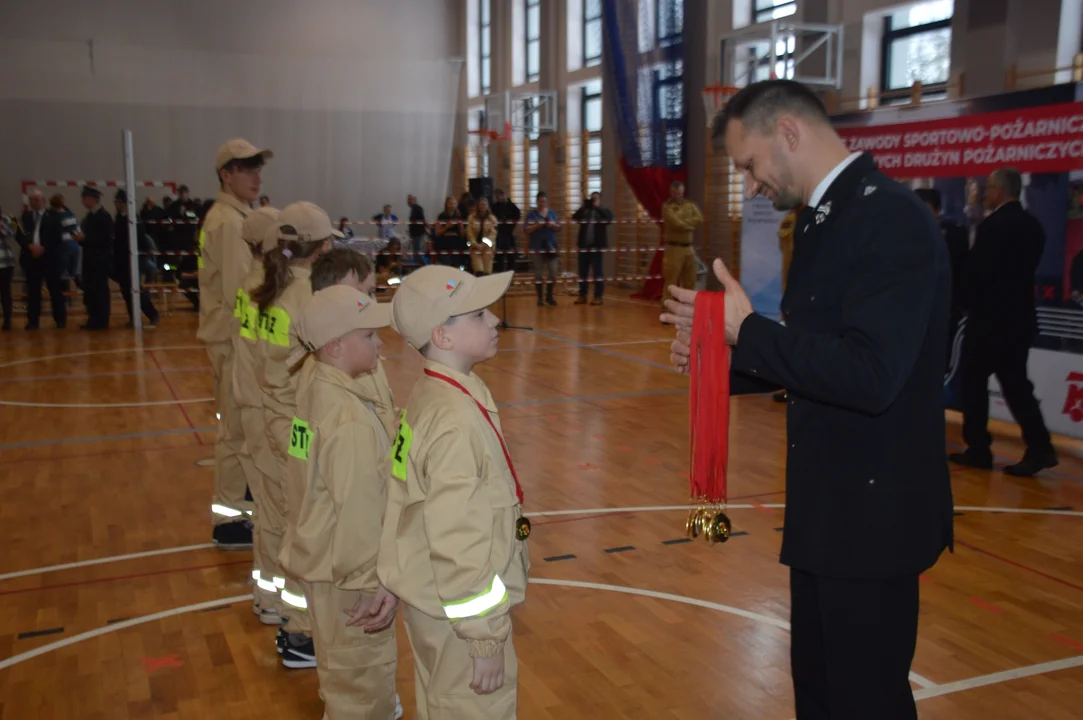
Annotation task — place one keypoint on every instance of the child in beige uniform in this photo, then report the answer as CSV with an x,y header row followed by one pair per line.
x,y
454,540
339,456
304,232
260,234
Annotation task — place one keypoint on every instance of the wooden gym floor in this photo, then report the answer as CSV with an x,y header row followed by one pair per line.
x,y
103,449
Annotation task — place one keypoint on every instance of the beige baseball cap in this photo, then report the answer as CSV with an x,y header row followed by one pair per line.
x,y
260,228
430,295
305,222
336,311
238,149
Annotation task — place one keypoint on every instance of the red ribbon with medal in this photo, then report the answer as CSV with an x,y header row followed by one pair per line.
x,y
522,525
709,419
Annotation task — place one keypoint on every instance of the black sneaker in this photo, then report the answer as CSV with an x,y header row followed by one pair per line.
x,y
299,652
281,637
1032,464
233,536
970,458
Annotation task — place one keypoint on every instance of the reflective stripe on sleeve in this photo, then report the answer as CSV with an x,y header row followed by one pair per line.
x,y
479,604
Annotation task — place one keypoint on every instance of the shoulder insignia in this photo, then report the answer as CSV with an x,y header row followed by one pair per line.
x,y
822,212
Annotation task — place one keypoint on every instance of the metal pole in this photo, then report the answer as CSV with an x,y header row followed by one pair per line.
x,y
133,231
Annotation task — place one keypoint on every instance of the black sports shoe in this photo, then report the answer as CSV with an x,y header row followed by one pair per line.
x,y
299,652
233,536
969,458
280,637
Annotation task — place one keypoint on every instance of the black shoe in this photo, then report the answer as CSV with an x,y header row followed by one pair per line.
x,y
299,653
61,326
780,397
31,327
550,301
6,327
541,303
280,638
1032,464
233,536
969,458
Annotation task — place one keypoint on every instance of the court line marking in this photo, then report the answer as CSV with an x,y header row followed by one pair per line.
x,y
90,353
106,629
999,677
118,373
541,513
104,560
602,350
105,438
69,406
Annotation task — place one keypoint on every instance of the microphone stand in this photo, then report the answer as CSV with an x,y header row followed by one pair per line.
x,y
504,324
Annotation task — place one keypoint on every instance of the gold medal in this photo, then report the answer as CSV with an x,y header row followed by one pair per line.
x,y
522,528
718,529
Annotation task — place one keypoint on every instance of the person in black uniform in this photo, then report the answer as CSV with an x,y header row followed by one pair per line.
x,y
593,222
1000,326
508,216
41,237
122,272
97,260
869,504
957,240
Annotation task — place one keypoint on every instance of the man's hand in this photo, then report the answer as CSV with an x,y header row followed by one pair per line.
x,y
37,250
488,674
682,309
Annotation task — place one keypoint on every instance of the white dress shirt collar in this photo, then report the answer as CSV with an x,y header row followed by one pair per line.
x,y
821,189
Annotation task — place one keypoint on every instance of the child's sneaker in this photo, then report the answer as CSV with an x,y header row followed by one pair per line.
x,y
398,708
280,638
299,653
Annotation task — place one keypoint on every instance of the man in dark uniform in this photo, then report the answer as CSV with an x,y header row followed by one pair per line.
x,y
1001,324
122,272
508,216
861,356
958,242
97,260
41,237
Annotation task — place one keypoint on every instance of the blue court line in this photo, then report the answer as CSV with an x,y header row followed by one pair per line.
x,y
604,351
103,374
104,438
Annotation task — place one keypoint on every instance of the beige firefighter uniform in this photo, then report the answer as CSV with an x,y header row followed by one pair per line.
x,y
268,518
449,548
680,218
224,262
479,231
278,340
339,458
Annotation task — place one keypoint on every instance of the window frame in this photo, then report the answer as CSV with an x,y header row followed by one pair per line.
x,y
485,59
662,79
591,175
588,60
675,38
890,37
767,14
535,41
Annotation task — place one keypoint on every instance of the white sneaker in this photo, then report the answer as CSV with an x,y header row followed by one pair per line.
x,y
269,616
398,708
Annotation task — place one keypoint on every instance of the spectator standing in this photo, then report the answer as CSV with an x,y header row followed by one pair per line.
x,y
386,221
450,240
41,241
419,229
541,227
7,267
508,216
122,272
680,218
97,260
593,240
481,237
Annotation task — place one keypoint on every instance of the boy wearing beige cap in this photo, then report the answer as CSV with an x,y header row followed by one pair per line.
x,y
454,543
223,262
260,234
304,232
339,455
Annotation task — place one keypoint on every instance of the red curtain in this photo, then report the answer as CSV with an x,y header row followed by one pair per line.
x,y
650,185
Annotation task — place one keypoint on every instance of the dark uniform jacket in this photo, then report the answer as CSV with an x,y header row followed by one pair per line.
x,y
868,493
51,237
593,226
98,242
958,241
1000,277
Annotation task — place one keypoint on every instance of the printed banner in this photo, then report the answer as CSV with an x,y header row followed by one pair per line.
x,y
761,257
1042,139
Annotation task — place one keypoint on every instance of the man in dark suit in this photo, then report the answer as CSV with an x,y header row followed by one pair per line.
x,y
869,503
42,242
958,242
97,260
1000,326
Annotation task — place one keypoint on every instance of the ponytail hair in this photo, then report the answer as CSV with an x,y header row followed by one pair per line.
x,y
276,268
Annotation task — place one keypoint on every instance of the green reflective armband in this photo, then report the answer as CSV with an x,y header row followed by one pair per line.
x,y
274,326
300,439
199,254
400,450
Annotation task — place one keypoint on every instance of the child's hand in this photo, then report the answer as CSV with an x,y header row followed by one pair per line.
x,y
381,611
488,674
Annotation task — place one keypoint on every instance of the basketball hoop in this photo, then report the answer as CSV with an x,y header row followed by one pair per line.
x,y
715,98
486,136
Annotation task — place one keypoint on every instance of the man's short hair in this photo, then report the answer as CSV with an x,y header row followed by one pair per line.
x,y
759,105
1009,180
929,196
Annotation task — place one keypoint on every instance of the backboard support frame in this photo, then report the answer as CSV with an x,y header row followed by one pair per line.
x,y
521,112
812,37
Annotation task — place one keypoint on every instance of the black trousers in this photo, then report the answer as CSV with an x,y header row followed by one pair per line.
x,y
505,255
1007,359
96,293
592,261
122,277
851,645
38,271
5,293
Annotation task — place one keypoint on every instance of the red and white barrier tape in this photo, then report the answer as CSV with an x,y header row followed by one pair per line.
x,y
465,251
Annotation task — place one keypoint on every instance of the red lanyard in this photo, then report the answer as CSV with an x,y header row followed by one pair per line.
x,y
507,455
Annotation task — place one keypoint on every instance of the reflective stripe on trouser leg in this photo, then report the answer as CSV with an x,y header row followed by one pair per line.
x,y
443,667
360,682
230,482
295,608
268,515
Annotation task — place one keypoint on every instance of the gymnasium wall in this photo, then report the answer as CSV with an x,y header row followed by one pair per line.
x,y
356,97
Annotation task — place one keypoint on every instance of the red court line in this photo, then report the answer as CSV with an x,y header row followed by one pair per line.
x,y
165,378
1067,641
133,576
1019,565
987,606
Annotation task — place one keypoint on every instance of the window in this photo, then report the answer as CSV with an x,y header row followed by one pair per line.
x,y
670,25
533,39
669,112
485,50
592,128
759,59
767,10
917,48
592,32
